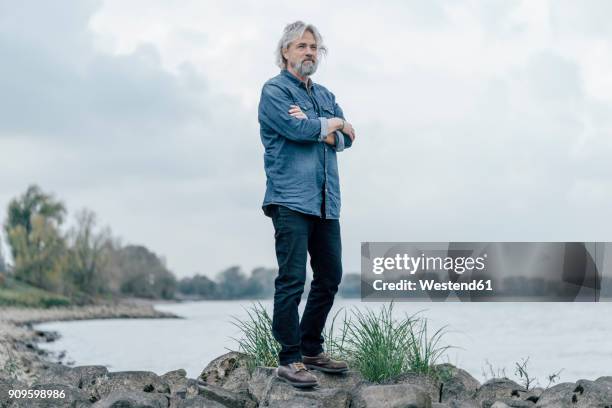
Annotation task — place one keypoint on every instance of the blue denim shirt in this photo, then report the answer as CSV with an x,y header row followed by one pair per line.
x,y
300,167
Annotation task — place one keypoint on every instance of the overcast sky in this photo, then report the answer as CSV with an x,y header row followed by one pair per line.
x,y
476,121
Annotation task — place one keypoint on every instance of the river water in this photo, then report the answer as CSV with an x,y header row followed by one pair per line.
x,y
488,337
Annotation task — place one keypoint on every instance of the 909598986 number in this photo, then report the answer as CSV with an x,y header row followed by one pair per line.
x,y
36,394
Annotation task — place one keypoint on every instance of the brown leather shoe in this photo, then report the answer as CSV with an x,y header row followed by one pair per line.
x,y
323,362
297,375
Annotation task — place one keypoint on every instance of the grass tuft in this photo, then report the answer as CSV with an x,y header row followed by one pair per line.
x,y
257,341
377,344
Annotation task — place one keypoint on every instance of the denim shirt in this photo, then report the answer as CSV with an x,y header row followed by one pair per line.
x,y
300,167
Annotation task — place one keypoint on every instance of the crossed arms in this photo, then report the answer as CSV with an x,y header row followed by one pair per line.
x,y
277,111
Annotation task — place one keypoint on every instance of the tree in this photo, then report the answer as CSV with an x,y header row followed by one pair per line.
x,y
2,261
232,283
143,274
32,229
32,203
87,254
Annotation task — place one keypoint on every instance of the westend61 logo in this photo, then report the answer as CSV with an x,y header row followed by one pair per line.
x,y
486,271
413,264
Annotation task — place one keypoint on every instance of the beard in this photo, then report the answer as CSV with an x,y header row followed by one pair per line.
x,y
306,67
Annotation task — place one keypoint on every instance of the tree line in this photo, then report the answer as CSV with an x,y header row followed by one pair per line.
x,y
84,262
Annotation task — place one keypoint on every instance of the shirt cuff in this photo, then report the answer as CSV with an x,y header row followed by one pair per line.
x,y
339,141
324,127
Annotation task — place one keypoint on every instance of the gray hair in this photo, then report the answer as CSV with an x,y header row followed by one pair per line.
x,y
291,33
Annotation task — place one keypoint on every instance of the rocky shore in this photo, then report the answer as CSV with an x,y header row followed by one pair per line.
x,y
227,381
19,353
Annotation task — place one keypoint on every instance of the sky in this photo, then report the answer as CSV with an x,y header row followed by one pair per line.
x,y
475,120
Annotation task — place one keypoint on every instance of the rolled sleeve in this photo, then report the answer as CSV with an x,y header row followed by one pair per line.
x,y
339,141
324,129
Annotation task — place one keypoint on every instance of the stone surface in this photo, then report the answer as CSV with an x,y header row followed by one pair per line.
x,y
82,377
260,382
195,402
115,382
458,384
225,397
73,398
180,386
133,399
496,389
391,396
229,371
582,394
281,394
428,383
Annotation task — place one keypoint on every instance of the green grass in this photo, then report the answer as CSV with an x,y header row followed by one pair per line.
x,y
257,341
377,344
19,294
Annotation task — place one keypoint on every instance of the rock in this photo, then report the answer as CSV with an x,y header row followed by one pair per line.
x,y
229,371
280,394
582,394
496,389
458,384
73,398
397,395
174,376
7,384
144,381
227,398
346,380
512,403
82,377
260,382
133,399
195,402
428,383
463,404
180,386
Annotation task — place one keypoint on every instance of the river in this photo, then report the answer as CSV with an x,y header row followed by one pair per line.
x,y
572,337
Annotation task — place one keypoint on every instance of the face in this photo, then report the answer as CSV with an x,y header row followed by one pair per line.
x,y
301,55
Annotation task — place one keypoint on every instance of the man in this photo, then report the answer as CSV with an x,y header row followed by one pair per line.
x,y
302,129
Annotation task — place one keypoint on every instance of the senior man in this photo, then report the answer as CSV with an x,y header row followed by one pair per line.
x,y
302,129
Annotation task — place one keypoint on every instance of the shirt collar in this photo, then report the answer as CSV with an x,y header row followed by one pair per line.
x,y
296,80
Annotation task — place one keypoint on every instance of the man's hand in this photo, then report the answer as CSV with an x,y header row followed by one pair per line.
x,y
296,112
349,131
336,124
330,139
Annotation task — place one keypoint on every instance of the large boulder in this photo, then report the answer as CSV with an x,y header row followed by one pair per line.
x,y
280,394
82,377
457,384
195,402
119,381
180,386
133,399
229,371
429,384
391,396
497,389
226,398
7,384
72,398
582,394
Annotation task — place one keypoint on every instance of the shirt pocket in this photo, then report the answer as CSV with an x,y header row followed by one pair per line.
x,y
327,110
307,108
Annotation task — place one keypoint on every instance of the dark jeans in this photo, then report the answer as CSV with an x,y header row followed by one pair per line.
x,y
296,235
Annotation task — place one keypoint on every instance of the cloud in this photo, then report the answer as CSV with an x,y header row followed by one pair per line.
x,y
475,120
